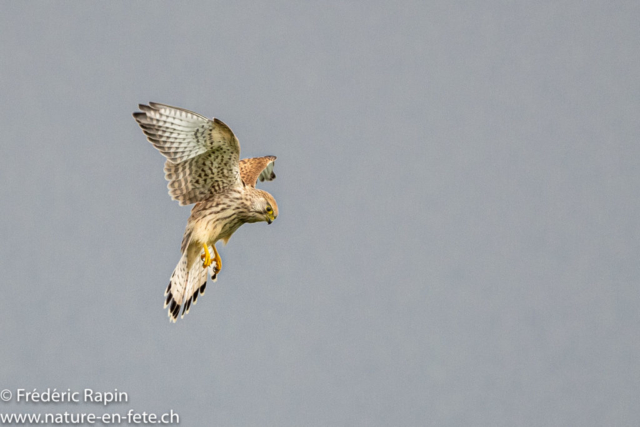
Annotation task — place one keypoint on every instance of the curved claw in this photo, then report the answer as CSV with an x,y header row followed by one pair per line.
x,y
218,261
206,256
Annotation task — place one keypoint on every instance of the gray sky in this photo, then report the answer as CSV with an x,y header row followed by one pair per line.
x,y
458,238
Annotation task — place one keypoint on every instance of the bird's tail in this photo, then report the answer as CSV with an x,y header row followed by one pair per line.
x,y
185,286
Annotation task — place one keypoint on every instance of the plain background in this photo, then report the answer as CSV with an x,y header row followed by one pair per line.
x,y
458,239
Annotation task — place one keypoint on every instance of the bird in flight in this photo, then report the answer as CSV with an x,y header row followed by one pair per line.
x,y
203,167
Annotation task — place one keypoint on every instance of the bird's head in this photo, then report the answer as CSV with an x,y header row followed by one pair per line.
x,y
264,207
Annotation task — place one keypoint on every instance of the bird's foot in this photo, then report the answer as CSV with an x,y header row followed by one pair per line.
x,y
218,265
206,257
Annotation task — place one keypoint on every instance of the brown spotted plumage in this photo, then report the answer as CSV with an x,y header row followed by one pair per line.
x,y
257,167
203,167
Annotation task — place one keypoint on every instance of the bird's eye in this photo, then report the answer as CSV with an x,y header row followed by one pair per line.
x,y
269,209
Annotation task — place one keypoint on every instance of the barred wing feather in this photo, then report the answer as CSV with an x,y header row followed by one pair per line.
x,y
202,154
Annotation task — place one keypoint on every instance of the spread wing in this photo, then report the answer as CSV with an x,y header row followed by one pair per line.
x,y
202,154
257,168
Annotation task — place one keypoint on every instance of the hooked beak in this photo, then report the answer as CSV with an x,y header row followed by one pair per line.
x,y
269,217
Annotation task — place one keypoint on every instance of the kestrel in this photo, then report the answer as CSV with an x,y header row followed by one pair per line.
x,y
203,167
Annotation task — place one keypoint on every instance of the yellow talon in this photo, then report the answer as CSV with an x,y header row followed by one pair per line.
x,y
206,256
218,266
207,261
